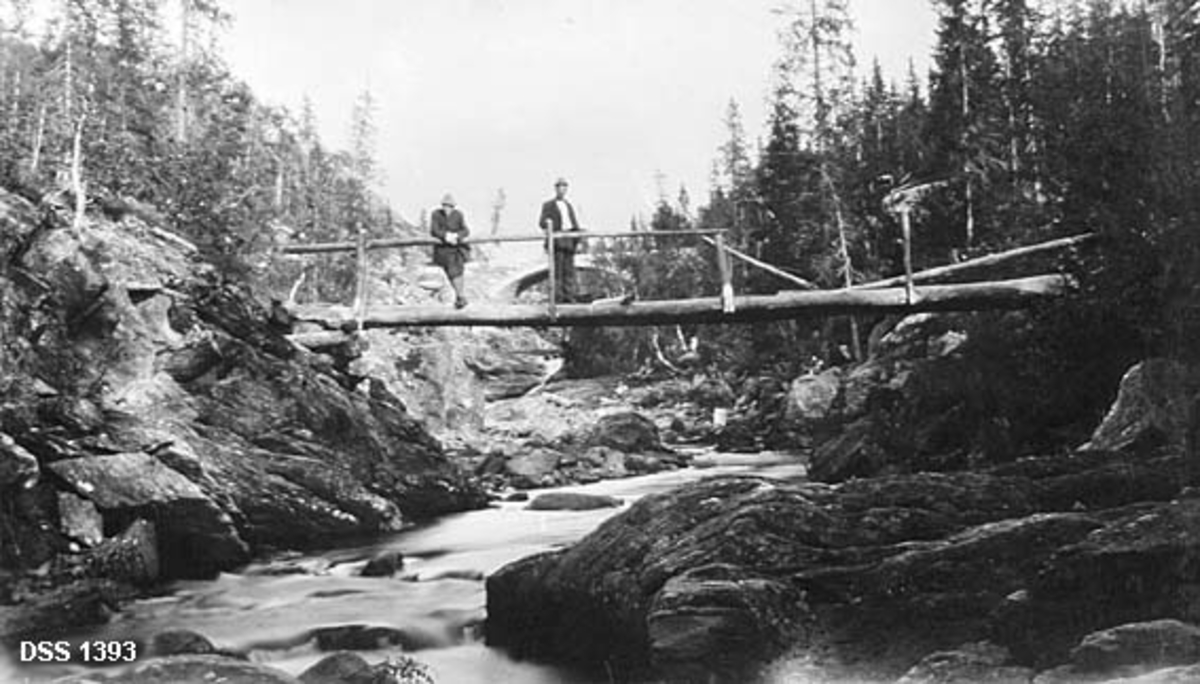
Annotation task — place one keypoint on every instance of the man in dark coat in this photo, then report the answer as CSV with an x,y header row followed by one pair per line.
x,y
558,216
451,252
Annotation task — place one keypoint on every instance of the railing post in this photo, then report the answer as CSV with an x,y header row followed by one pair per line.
x,y
360,279
906,229
550,275
727,304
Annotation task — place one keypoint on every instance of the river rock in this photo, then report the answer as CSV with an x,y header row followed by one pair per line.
x,y
18,467
532,467
53,613
1157,644
384,564
854,452
196,537
1170,675
338,668
627,431
351,668
188,668
608,462
1138,561
80,519
180,642
1151,408
508,365
977,663
571,501
131,557
364,638
811,397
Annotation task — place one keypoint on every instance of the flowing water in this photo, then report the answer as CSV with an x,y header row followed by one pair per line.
x,y
271,608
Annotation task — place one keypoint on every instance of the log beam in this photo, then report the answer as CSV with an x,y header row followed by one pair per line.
x,y
1003,294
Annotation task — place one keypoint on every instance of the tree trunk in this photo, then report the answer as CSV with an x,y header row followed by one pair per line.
x,y
181,118
1004,294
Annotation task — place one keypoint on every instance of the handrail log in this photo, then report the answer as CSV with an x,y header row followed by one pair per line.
x,y
979,262
385,243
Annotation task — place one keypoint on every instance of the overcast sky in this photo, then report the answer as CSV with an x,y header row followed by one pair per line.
x,y
477,95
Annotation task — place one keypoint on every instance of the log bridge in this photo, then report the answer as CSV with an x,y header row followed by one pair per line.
x,y
901,294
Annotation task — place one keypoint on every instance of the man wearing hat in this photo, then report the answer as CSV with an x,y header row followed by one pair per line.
x,y
451,251
559,216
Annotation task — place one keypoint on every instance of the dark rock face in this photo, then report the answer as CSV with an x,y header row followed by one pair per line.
x,y
718,576
946,392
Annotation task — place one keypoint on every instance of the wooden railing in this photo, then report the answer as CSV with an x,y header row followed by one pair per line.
x,y
361,246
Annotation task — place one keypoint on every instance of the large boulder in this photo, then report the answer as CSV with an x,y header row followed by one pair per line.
x,y
196,537
1158,643
1151,408
718,576
811,397
626,431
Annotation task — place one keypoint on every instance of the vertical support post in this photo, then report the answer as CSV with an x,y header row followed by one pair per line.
x,y
360,272
550,275
906,227
726,275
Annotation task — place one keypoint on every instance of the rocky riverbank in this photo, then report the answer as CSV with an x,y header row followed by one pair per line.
x,y
872,575
156,423
928,551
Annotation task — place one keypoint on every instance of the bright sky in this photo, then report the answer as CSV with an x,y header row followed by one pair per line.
x,y
477,95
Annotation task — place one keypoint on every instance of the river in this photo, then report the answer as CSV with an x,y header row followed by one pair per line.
x,y
271,608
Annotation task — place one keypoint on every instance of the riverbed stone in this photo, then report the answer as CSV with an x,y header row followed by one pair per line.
x,y
626,431
364,638
384,564
975,663
188,668
571,501
533,466
180,642
1158,643
338,668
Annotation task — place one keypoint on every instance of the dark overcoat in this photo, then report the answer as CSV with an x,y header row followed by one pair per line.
x,y
451,257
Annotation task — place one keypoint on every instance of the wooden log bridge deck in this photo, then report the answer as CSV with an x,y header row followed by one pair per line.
x,y
894,295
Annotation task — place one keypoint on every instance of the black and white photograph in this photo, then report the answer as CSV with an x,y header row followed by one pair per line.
x,y
599,341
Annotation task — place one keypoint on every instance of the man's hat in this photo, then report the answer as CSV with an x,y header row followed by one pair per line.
x,y
448,199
